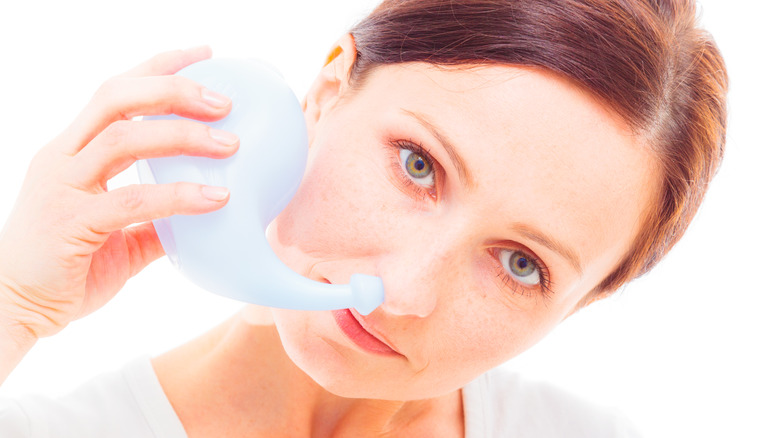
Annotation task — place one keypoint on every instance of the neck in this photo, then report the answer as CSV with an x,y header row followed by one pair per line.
x,y
246,375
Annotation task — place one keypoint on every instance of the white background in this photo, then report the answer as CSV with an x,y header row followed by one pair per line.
x,y
689,350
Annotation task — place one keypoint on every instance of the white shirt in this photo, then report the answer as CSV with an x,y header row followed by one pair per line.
x,y
131,403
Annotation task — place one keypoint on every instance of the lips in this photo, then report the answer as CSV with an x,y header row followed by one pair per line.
x,y
354,330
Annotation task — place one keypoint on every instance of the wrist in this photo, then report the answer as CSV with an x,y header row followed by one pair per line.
x,y
16,337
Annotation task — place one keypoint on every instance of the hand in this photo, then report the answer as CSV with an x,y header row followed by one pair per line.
x,y
69,245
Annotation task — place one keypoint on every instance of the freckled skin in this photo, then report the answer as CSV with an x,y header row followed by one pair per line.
x,y
541,152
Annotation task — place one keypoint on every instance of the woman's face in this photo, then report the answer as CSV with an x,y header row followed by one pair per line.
x,y
489,201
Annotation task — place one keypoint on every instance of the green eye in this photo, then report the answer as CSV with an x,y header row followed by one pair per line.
x,y
418,167
521,266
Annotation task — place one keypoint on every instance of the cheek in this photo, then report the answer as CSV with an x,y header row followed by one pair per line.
x,y
492,326
468,337
487,336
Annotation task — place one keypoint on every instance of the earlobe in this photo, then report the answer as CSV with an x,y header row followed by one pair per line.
x,y
330,84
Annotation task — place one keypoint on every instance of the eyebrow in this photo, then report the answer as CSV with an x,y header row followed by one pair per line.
x,y
551,243
457,161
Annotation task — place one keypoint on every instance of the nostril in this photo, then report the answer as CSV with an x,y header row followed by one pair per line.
x,y
410,298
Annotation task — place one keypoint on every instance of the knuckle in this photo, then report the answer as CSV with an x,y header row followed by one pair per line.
x,y
182,197
39,162
112,96
132,200
116,133
188,135
161,60
108,89
178,192
196,132
178,91
47,165
181,85
157,61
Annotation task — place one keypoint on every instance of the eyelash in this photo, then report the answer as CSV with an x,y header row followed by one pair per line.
x,y
544,286
404,177
506,278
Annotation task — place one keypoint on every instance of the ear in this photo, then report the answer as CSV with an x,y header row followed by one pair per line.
x,y
330,84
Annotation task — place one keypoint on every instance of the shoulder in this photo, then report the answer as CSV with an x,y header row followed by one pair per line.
x,y
502,403
126,403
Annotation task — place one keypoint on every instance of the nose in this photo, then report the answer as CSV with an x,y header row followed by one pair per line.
x,y
416,277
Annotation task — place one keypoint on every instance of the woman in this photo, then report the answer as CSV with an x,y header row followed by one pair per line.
x,y
486,146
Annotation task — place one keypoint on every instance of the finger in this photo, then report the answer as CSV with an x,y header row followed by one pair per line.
x,y
122,98
125,142
168,63
144,246
144,202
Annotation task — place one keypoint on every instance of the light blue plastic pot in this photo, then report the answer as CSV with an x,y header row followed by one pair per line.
x,y
226,251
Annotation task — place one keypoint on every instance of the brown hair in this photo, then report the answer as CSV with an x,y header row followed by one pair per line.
x,y
645,59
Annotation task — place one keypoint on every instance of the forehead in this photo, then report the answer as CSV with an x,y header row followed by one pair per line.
x,y
541,151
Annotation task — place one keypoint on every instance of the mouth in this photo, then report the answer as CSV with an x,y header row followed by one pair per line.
x,y
355,331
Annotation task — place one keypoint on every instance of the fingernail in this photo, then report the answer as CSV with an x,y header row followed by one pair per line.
x,y
214,193
224,137
214,99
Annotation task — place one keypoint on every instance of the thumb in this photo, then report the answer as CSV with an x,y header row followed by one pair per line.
x,y
144,246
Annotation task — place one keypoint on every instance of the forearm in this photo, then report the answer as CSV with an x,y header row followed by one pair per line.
x,y
15,338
